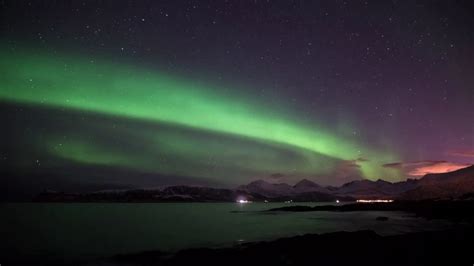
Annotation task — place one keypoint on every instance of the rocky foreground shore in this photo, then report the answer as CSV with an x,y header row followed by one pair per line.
x,y
453,247
449,247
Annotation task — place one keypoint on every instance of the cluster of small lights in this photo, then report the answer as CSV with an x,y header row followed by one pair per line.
x,y
376,200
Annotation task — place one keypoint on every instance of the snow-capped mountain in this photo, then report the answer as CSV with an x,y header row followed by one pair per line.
x,y
457,184
267,189
306,185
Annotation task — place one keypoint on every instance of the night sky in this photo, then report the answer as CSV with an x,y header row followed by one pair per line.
x,y
115,94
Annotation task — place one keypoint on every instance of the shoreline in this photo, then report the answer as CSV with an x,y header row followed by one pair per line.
x,y
448,247
447,209
442,247
449,241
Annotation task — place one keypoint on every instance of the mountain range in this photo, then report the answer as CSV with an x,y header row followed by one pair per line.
x,y
453,185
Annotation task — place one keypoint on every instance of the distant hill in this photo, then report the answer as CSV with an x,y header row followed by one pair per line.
x,y
380,189
267,190
306,185
453,185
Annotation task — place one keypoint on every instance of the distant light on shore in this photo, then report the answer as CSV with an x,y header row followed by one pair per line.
x,y
243,201
376,200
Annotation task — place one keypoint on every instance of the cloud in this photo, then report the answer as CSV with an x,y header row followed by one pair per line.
x,y
350,164
361,159
462,153
276,176
411,164
347,171
443,167
421,168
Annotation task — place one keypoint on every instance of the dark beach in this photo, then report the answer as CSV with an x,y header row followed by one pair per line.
x,y
447,247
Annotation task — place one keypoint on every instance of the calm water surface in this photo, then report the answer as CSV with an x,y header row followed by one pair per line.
x,y
97,230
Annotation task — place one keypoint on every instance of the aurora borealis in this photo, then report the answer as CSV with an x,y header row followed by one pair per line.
x,y
126,92
78,102
180,128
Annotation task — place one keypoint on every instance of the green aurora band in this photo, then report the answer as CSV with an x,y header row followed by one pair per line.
x,y
74,83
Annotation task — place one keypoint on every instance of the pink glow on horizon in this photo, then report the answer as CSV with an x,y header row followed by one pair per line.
x,y
436,168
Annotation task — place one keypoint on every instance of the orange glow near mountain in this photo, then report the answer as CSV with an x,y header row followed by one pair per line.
x,y
441,167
